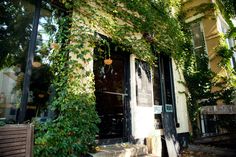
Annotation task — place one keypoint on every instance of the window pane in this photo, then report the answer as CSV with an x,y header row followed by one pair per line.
x,y
157,97
16,18
156,86
197,35
41,74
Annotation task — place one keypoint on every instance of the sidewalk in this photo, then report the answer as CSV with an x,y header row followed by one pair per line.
x,y
207,151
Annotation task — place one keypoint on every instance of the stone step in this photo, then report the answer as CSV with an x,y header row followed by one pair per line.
x,y
121,150
148,155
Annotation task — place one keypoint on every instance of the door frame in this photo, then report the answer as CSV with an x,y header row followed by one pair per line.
x,y
169,119
163,88
126,106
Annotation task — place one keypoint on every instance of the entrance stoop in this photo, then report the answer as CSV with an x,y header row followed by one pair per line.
x,y
121,150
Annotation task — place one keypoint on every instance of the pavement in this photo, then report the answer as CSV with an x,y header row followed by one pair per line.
x,y
207,151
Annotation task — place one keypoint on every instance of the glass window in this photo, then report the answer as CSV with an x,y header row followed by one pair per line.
x,y
157,97
16,17
41,75
233,61
224,29
199,45
156,86
231,46
15,29
197,35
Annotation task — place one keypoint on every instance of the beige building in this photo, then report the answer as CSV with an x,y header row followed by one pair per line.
x,y
209,27
136,102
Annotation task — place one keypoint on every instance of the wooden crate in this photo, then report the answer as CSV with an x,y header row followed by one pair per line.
x,y
16,140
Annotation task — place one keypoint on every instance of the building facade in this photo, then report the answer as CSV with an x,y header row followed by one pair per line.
x,y
136,102
209,30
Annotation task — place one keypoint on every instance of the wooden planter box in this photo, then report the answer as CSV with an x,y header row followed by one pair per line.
x,y
16,140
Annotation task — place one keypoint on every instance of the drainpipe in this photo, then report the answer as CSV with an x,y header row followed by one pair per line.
x,y
202,117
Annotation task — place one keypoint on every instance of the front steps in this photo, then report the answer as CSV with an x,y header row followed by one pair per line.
x,y
121,150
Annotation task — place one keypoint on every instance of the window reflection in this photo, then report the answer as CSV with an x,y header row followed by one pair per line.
x,y
199,45
15,29
157,97
41,74
16,17
47,31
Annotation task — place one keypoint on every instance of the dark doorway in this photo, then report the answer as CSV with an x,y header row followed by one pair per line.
x,y
164,101
112,94
163,89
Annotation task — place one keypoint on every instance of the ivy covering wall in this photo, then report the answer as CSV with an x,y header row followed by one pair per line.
x,y
141,27
206,88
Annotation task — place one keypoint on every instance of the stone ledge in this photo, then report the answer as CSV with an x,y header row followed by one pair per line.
x,y
220,109
121,150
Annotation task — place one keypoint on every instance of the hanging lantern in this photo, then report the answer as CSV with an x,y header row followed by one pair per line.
x,y
36,64
108,61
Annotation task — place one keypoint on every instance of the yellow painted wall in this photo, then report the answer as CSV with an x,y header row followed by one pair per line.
x,y
180,98
189,5
211,32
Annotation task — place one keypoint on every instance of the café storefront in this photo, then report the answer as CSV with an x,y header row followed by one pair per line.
x,y
134,100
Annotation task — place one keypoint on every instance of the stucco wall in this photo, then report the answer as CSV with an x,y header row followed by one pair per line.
x,y
143,117
181,100
212,39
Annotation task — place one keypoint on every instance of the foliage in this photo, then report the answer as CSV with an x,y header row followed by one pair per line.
x,y
224,52
228,10
143,22
135,26
228,82
200,80
14,34
132,25
74,127
72,132
229,7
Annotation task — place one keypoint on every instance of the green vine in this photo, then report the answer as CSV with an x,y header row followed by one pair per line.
x,y
72,132
224,52
201,81
135,26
